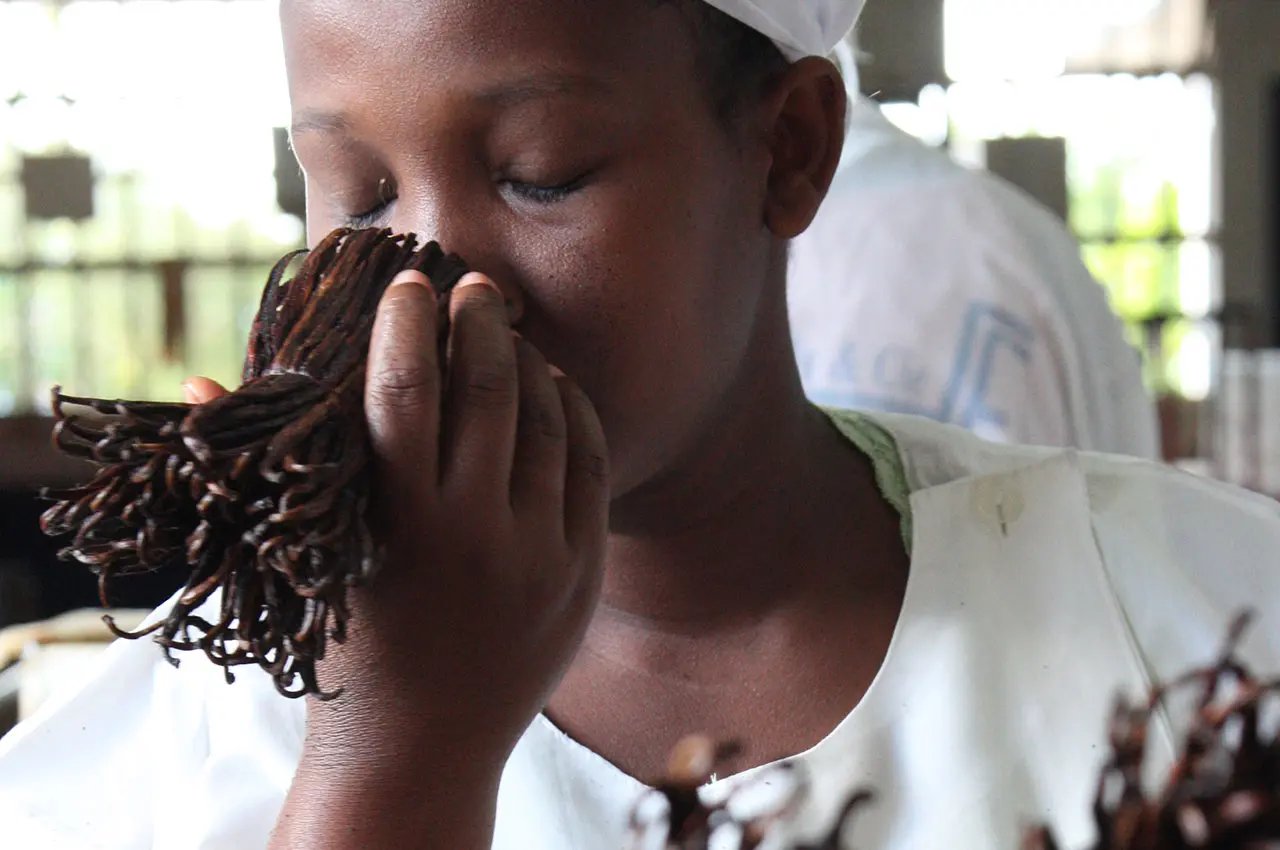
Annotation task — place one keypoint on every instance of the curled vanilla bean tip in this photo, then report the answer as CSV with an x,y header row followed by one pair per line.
x,y
260,493
1222,793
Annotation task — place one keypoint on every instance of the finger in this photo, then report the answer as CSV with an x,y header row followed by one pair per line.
x,y
402,387
481,406
198,390
586,499
537,473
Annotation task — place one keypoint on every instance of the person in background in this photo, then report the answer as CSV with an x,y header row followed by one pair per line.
x,y
928,288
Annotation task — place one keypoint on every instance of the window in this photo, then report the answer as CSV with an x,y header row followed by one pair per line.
x,y
1117,80
179,132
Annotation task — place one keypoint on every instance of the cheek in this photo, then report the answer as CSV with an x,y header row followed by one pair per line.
x,y
666,247
650,306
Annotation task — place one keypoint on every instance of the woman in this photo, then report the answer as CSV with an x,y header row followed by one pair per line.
x,y
892,602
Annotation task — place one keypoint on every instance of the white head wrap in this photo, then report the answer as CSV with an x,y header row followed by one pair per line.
x,y
799,27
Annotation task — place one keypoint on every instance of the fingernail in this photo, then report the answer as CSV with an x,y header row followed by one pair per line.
x,y
188,392
477,279
412,276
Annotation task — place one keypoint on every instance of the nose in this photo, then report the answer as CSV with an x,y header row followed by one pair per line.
x,y
467,229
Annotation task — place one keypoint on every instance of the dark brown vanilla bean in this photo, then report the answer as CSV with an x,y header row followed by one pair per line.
x,y
1223,792
261,493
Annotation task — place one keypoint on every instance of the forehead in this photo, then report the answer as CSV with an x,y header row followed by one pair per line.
x,y
400,47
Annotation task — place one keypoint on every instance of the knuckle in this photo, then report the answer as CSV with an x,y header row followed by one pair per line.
x,y
538,421
400,387
489,387
592,465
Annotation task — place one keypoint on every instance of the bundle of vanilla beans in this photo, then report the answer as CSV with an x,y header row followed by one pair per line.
x,y
260,493
1223,793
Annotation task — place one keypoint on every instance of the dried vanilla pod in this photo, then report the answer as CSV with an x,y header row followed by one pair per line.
x,y
688,822
262,492
1223,793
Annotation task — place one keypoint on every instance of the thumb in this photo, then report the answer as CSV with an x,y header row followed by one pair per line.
x,y
198,390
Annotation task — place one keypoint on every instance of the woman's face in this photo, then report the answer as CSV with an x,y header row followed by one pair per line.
x,y
568,149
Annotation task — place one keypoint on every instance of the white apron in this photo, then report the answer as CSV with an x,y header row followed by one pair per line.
x,y
1041,582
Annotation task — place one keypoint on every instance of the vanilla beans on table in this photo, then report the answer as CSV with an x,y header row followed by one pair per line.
x,y
260,493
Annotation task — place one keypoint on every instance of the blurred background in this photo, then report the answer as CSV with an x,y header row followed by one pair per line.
x,y
146,188
140,212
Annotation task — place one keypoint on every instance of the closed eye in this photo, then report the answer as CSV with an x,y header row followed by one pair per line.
x,y
373,216
544,195
369,218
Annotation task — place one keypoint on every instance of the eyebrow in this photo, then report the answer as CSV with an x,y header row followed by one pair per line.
x,y
505,95
542,87
313,121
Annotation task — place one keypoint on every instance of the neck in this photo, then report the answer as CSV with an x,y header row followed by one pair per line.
x,y
748,521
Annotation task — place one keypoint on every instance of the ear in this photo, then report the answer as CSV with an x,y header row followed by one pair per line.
x,y
806,114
